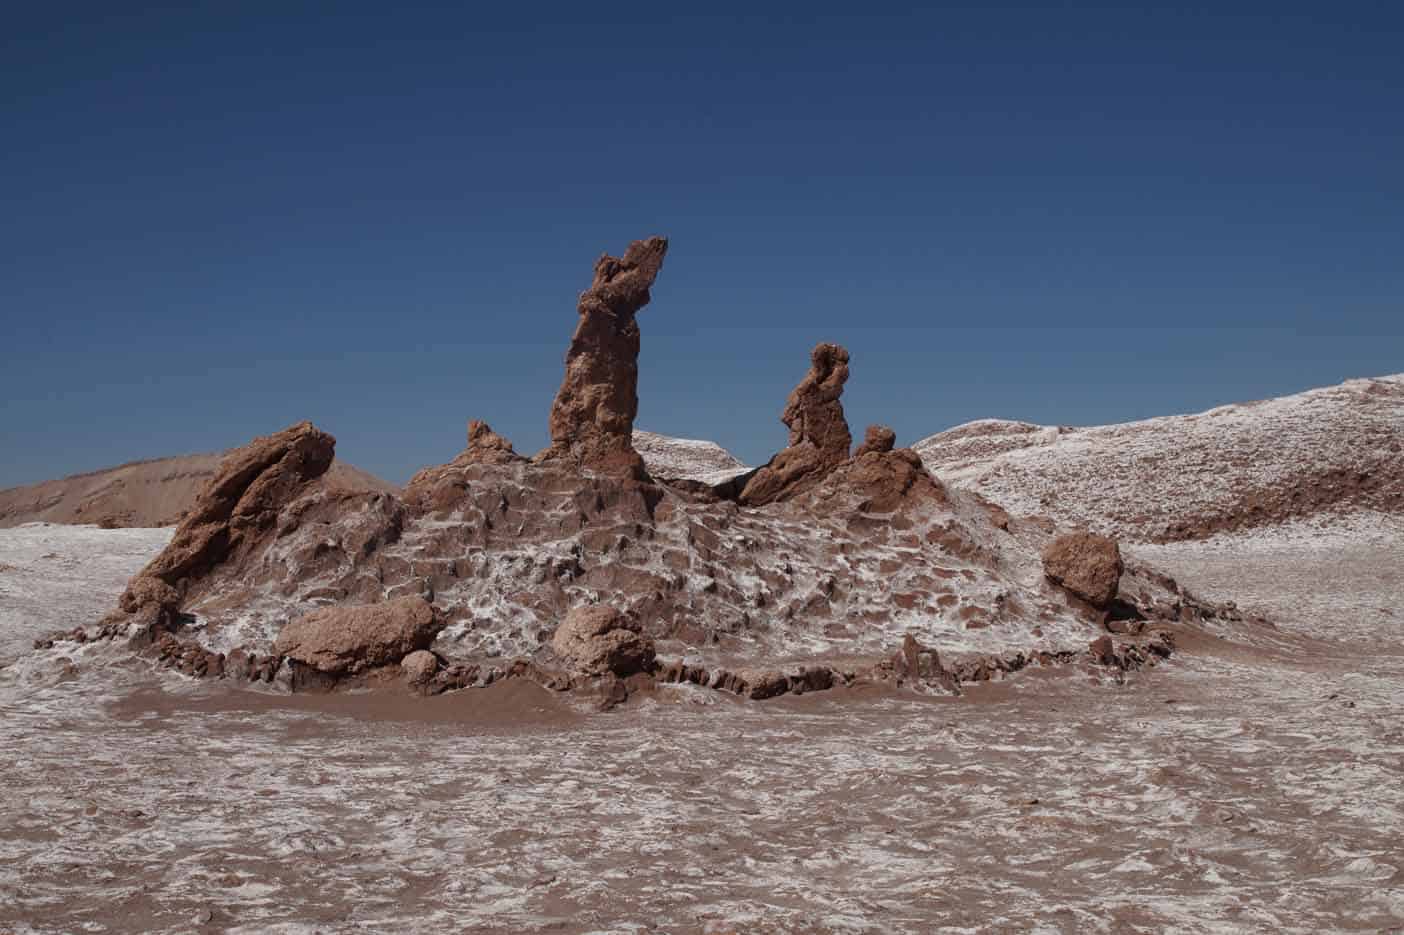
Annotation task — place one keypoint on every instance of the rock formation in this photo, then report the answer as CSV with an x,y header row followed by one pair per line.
x,y
242,500
487,447
343,640
878,438
574,569
601,641
1087,565
592,418
819,436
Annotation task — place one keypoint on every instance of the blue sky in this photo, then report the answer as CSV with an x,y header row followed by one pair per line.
x,y
219,220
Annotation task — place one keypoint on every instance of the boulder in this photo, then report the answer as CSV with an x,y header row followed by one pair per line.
x,y
342,640
599,640
819,436
592,418
419,666
1086,565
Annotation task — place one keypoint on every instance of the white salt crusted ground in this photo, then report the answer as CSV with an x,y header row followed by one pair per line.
x,y
1133,480
1230,790
55,577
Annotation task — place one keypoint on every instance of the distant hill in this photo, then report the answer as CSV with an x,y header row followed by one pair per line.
x,y
1324,453
141,493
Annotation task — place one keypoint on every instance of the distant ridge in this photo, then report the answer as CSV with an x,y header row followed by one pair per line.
x,y
150,492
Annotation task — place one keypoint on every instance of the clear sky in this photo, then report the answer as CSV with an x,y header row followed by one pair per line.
x,y
219,219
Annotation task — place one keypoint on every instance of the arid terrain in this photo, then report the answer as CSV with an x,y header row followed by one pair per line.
x,y
629,684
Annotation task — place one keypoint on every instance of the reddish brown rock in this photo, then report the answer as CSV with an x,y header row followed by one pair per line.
x,y
239,504
920,666
592,418
819,436
599,640
419,666
487,447
346,640
1102,650
1085,564
888,479
878,438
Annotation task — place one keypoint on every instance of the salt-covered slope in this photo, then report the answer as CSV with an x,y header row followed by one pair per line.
x,y
687,458
1326,452
142,493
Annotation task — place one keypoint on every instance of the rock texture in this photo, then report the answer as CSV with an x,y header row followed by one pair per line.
x,y
592,418
346,640
601,641
1086,564
819,436
240,503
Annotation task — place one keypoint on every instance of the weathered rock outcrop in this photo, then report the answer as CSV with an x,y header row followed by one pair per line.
x,y
601,641
487,447
819,436
592,418
242,501
888,477
345,640
878,438
1085,564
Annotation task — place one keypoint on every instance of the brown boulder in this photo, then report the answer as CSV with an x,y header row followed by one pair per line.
x,y
592,418
1085,564
419,666
920,666
345,640
599,640
819,436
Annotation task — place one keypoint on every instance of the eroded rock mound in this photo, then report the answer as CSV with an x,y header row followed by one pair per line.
x,y
600,640
592,418
1085,564
819,436
890,478
344,640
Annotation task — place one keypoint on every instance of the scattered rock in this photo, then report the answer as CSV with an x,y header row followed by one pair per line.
x,y
819,436
346,640
1102,651
592,418
599,640
1085,564
419,666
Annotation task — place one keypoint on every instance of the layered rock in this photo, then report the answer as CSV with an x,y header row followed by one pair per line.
x,y
240,503
343,640
1086,565
592,418
819,436
878,438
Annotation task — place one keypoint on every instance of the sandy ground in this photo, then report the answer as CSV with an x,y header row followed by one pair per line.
x,y
1235,789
